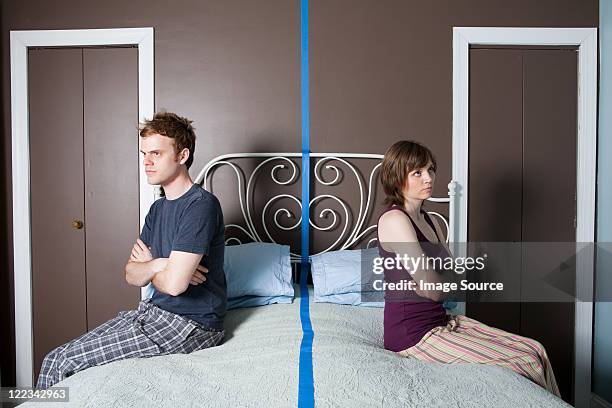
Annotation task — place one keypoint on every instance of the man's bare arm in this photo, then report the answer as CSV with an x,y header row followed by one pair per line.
x,y
141,267
141,273
177,274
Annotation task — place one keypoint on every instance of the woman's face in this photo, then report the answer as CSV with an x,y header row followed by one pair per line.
x,y
420,183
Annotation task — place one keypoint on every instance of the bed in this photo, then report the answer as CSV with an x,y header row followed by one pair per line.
x,y
258,364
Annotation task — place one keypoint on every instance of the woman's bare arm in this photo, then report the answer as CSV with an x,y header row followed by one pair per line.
x,y
396,234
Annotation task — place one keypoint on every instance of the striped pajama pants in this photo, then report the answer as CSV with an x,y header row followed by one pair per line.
x,y
465,340
146,332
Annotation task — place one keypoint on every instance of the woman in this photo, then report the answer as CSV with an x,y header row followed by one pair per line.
x,y
415,323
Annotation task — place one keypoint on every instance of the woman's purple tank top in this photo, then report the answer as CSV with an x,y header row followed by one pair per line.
x,y
406,322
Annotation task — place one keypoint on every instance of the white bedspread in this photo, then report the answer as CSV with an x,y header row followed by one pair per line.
x,y
351,369
257,366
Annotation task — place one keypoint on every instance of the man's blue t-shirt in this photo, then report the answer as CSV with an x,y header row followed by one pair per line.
x,y
191,223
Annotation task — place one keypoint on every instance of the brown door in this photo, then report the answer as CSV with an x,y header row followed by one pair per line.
x,y
57,191
111,178
84,189
523,118
495,175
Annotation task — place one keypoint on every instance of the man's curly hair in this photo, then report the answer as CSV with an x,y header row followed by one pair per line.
x,y
175,127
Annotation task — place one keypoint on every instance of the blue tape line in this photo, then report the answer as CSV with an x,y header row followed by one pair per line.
x,y
306,382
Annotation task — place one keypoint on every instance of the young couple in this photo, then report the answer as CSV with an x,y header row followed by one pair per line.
x,y
181,248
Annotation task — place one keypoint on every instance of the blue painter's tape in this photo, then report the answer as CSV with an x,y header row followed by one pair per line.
x,y
306,381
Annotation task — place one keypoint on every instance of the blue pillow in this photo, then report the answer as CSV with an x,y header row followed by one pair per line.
x,y
337,278
258,273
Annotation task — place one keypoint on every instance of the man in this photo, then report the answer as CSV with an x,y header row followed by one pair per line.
x,y
180,251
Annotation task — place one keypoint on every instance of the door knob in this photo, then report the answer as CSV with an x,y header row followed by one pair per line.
x,y
77,224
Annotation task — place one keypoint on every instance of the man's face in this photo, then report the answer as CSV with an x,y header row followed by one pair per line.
x,y
161,162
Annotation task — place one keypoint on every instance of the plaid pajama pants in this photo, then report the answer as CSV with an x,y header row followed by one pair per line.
x,y
146,332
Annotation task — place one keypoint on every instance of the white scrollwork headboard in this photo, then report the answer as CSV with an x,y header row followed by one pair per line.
x,y
350,235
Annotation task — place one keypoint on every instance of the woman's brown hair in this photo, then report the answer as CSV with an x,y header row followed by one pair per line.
x,y
400,159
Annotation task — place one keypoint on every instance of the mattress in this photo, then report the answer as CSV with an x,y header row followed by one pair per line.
x,y
258,366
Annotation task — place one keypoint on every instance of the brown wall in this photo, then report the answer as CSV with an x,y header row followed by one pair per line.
x,y
380,71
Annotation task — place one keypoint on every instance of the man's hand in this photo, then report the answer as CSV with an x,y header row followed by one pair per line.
x,y
140,252
198,275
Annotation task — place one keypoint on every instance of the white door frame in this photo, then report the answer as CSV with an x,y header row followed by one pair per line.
x,y
22,261
586,41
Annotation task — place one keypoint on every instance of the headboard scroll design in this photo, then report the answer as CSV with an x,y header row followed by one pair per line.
x,y
246,191
336,163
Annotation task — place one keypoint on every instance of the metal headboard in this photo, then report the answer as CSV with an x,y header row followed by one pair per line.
x,y
333,162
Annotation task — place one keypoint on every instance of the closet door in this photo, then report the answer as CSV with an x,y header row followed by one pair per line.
x,y
495,177
523,127
111,178
56,188
549,206
84,189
